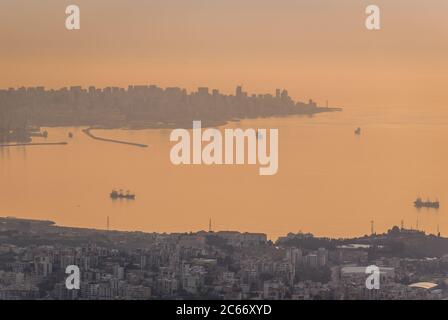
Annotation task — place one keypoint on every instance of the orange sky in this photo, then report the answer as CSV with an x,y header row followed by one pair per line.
x,y
314,48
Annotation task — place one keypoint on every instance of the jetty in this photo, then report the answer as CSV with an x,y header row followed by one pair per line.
x,y
34,144
89,133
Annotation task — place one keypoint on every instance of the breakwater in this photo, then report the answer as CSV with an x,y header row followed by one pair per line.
x,y
89,133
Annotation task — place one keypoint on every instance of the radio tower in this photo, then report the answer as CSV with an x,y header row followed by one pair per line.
x,y
371,227
210,225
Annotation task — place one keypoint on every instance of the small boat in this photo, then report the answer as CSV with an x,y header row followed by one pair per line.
x,y
70,135
35,132
358,131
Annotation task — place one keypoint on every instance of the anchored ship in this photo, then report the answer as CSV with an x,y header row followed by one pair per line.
x,y
419,203
120,195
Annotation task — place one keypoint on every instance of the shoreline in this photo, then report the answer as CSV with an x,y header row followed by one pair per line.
x,y
354,239
176,124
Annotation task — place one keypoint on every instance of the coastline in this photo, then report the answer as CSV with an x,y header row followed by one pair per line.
x,y
148,124
173,124
418,243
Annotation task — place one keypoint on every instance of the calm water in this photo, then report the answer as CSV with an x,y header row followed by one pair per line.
x,y
330,182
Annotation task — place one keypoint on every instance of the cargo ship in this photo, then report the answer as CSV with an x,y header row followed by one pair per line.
x,y
419,203
120,195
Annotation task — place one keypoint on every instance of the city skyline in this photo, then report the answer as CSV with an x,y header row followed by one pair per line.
x,y
141,106
223,265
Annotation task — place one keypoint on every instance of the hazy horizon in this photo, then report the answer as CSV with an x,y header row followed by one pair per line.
x,y
316,49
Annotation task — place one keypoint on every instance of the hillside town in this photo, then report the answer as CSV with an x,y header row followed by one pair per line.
x,y
225,265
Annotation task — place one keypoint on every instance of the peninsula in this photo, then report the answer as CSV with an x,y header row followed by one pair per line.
x,y
138,107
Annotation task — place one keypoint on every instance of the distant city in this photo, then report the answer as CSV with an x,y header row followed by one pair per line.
x,y
216,265
143,106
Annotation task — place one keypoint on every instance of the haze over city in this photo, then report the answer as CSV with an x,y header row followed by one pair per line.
x,y
318,49
123,150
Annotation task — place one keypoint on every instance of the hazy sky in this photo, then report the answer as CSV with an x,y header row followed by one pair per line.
x,y
314,48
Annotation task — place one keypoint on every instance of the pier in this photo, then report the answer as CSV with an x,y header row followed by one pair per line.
x,y
87,132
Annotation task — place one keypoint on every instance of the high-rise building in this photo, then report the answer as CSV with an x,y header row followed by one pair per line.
x,y
277,93
203,91
239,91
322,256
